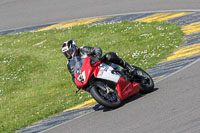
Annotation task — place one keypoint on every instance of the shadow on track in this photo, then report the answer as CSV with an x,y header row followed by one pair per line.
x,y
99,107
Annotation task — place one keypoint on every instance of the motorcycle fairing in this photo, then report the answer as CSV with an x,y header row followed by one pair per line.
x,y
126,88
82,77
105,72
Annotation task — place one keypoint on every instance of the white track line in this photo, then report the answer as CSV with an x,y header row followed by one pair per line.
x,y
190,64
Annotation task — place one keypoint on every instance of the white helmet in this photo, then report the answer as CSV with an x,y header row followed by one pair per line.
x,y
69,49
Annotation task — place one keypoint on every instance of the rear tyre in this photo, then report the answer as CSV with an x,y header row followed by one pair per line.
x,y
145,80
110,100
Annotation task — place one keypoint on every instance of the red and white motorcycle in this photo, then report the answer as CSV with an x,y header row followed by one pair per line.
x,y
107,84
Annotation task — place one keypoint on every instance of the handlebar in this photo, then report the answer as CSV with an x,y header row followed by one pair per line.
x,y
95,61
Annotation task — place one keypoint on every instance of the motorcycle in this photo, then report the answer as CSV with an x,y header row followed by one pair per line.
x,y
107,84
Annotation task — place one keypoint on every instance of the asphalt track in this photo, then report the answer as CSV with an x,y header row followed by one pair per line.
x,y
25,13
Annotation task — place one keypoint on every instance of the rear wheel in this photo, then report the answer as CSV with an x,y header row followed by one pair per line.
x,y
104,97
145,80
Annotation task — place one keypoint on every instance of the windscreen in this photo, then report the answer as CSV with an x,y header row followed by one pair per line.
x,y
77,63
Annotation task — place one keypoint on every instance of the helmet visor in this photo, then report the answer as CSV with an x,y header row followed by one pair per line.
x,y
69,53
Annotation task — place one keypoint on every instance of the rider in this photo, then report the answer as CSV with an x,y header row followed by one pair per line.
x,y
70,49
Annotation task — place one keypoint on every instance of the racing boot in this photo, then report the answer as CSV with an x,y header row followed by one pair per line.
x,y
127,66
114,58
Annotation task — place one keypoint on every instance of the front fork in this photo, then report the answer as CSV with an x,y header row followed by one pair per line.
x,y
108,93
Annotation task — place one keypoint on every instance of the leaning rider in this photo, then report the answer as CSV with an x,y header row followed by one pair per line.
x,y
70,50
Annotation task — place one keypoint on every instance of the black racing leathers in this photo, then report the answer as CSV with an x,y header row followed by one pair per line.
x,y
84,51
97,52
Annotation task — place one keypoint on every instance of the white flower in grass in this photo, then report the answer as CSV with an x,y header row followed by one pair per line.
x,y
160,28
14,78
69,101
5,61
162,34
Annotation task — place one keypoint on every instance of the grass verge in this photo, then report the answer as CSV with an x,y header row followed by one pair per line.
x,y
34,80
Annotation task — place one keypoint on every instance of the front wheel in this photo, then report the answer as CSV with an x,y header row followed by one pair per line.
x,y
145,80
109,99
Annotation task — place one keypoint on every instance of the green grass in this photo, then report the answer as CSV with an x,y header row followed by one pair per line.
x,y
35,82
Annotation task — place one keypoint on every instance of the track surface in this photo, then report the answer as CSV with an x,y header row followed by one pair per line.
x,y
173,108
25,13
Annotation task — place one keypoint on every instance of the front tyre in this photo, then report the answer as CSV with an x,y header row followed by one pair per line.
x,y
110,100
145,80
